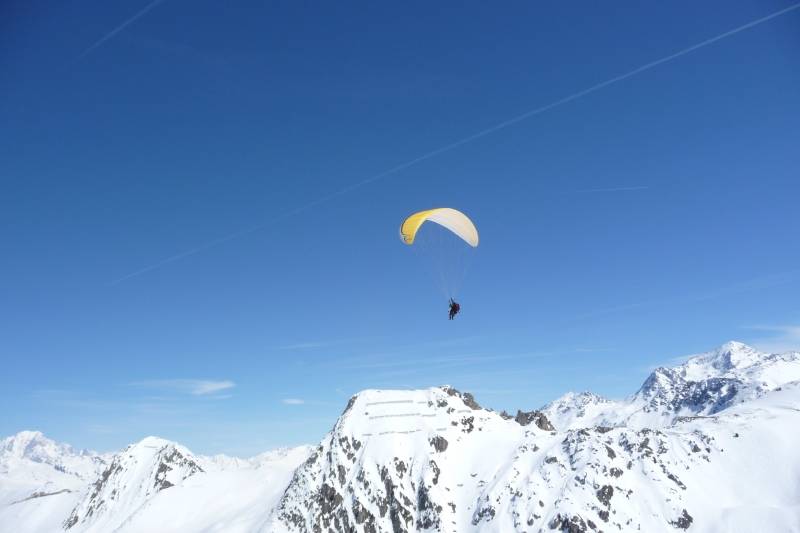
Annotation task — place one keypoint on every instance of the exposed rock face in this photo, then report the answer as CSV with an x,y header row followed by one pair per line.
x,y
604,494
667,390
465,397
439,443
573,524
683,521
537,417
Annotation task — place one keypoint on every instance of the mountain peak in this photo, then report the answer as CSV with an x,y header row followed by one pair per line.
x,y
734,354
152,442
29,448
25,437
727,360
28,434
33,445
576,409
584,397
732,346
710,382
151,465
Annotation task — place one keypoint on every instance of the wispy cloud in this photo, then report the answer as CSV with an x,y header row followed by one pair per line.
x,y
777,339
306,345
502,125
221,396
774,339
77,400
497,392
179,51
293,401
196,387
469,380
317,344
616,189
676,360
438,367
753,284
750,285
424,364
104,429
403,352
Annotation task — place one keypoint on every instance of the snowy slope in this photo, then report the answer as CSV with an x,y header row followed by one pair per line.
x,y
399,460
47,487
218,493
576,410
133,477
232,500
752,483
708,445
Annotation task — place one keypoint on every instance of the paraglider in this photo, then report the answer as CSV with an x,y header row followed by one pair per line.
x,y
454,308
452,219
449,253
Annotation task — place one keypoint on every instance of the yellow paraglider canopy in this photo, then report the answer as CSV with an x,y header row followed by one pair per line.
x,y
452,219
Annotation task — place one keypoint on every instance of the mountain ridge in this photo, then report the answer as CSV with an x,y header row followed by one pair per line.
x,y
703,384
435,459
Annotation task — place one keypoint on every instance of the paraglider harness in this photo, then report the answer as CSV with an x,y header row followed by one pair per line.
x,y
454,308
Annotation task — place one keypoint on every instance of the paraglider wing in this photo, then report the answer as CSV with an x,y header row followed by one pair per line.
x,y
452,219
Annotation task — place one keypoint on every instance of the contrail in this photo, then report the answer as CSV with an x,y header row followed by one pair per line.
x,y
616,189
118,29
750,285
448,147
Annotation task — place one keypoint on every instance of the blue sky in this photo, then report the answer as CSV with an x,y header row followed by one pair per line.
x,y
199,236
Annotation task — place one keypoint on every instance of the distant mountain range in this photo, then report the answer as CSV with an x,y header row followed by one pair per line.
x,y
708,445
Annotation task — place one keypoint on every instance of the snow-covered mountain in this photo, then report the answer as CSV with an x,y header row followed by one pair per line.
x,y
704,384
580,410
424,460
26,447
40,478
127,491
707,445
150,466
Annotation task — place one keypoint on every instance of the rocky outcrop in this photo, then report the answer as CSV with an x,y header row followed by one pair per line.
x,y
465,397
536,417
